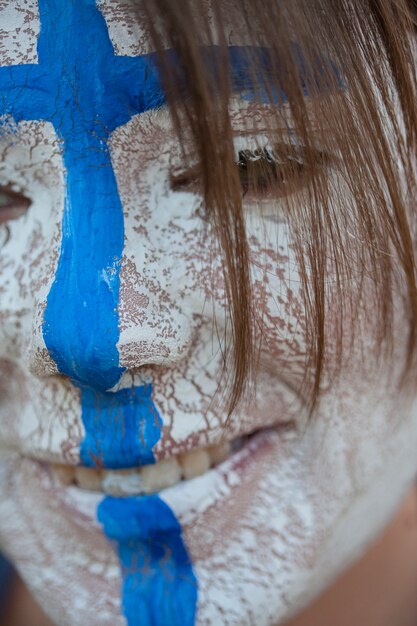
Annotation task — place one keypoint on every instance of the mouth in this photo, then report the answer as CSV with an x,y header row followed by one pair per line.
x,y
149,479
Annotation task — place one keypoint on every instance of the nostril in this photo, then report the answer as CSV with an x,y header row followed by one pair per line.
x,y
154,328
157,345
40,362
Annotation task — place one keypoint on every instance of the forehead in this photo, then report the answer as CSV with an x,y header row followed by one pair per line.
x,y
92,58
126,25
19,30
20,25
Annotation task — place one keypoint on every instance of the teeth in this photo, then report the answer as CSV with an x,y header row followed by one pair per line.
x,y
65,474
122,482
194,463
165,473
149,478
219,453
88,478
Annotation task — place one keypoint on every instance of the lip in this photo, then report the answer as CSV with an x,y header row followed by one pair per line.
x,y
191,497
168,447
185,427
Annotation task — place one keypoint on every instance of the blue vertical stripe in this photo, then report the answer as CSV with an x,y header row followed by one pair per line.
x,y
160,588
86,92
121,428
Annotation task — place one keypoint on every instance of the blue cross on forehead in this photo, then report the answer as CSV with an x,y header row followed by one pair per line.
x,y
86,92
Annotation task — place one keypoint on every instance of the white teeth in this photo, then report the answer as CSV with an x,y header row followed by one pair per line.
x,y
122,482
148,478
88,478
65,474
165,473
194,463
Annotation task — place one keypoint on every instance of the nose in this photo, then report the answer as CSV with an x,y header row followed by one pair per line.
x,y
155,324
80,318
104,313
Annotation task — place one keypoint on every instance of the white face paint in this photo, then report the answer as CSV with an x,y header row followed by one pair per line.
x,y
268,528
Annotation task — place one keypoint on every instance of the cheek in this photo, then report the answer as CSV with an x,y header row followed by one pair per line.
x,y
31,409
31,162
165,263
278,306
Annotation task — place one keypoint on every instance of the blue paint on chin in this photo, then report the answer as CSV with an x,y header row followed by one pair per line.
x,y
159,585
121,427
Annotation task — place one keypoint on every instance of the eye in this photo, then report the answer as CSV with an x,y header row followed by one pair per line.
x,y
188,180
264,172
267,173
12,204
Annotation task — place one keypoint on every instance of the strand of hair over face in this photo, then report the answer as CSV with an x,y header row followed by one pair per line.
x,y
355,60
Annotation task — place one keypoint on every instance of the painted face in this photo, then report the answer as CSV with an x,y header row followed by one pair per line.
x,y
125,497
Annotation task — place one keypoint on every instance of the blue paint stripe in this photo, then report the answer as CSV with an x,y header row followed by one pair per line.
x,y
81,327
159,587
122,426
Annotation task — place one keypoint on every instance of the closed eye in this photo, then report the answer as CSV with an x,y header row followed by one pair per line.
x,y
12,204
188,181
264,173
268,173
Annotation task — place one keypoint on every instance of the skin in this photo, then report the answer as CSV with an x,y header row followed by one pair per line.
x,y
272,527
378,590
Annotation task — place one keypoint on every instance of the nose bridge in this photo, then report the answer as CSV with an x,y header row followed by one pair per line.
x,y
80,320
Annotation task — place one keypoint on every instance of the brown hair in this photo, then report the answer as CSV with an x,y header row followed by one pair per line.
x,y
354,59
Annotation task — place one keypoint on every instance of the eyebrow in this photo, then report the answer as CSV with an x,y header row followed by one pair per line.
x,y
250,69
253,72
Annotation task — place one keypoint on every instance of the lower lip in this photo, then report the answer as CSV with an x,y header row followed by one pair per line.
x,y
188,498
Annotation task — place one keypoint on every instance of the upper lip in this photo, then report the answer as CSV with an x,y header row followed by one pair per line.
x,y
181,448
66,451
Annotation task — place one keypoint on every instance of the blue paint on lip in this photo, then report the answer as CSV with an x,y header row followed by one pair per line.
x,y
159,584
121,426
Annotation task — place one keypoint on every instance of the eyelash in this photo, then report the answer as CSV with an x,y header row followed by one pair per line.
x,y
264,172
13,204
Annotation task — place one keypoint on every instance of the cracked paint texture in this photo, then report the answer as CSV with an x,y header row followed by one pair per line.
x,y
267,530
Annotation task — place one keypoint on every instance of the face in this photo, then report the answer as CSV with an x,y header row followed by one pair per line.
x,y
121,478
